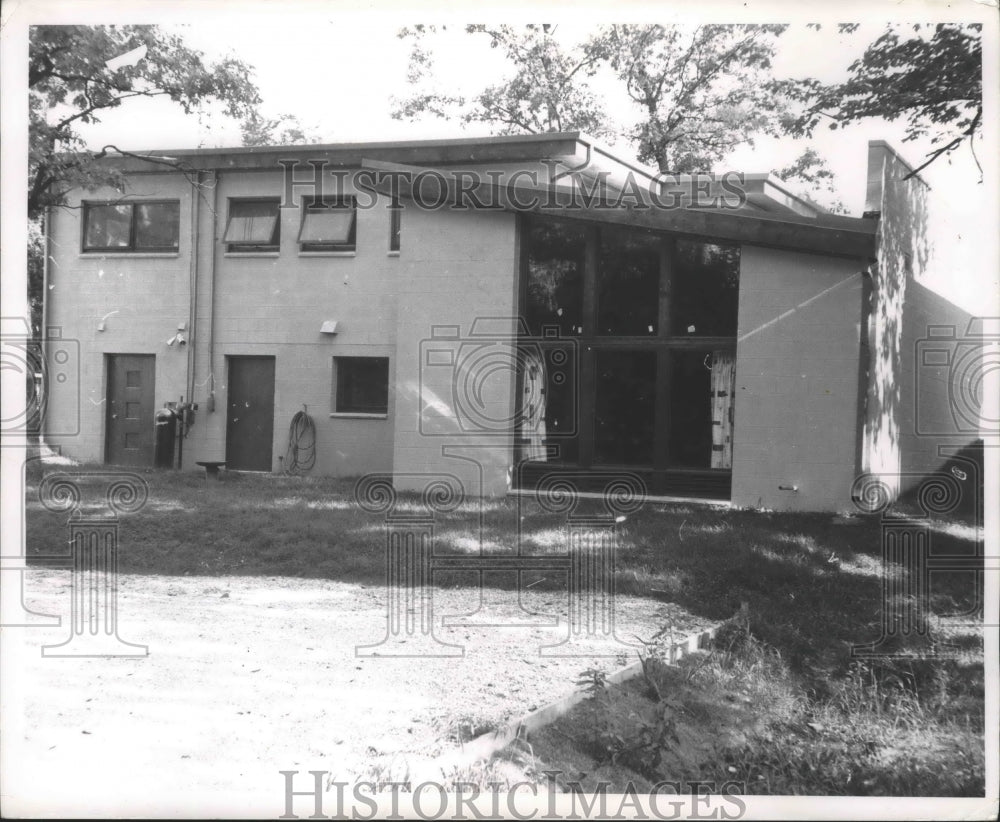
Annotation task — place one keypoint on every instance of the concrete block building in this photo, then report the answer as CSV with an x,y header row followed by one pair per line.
x,y
499,309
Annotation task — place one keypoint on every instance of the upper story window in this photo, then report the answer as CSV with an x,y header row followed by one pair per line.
x,y
147,226
329,224
253,226
706,289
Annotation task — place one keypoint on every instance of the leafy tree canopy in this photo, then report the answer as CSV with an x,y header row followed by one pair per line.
x,y
71,82
545,91
928,76
283,130
702,90
699,91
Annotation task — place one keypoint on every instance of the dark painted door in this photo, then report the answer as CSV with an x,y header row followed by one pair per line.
x,y
250,422
130,432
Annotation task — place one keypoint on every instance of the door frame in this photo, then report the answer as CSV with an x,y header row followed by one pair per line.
x,y
229,358
109,363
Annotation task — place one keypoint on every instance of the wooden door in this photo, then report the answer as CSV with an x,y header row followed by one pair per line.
x,y
130,433
250,418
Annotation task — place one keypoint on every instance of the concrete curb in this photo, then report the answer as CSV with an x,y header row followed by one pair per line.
x,y
485,745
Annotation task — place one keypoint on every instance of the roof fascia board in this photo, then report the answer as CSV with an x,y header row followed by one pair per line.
x,y
430,152
844,237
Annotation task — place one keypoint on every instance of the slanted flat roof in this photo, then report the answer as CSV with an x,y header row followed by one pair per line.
x,y
438,152
771,214
764,191
830,234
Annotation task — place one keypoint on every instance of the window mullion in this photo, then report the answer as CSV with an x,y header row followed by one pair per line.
x,y
131,228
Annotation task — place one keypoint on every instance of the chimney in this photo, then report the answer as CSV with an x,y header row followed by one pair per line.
x,y
883,161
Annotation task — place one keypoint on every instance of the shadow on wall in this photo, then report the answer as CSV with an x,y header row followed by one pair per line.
x,y
905,250
966,464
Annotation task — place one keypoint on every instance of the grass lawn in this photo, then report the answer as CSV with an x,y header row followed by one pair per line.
x,y
797,590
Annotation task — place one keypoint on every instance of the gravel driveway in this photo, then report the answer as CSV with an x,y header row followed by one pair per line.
x,y
247,676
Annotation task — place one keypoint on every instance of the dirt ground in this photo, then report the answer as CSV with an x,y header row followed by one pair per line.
x,y
248,676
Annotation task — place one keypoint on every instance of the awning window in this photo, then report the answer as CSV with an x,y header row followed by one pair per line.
x,y
252,225
328,226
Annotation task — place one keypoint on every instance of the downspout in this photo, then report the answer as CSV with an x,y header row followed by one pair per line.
x,y
210,405
43,331
865,360
46,250
188,407
192,363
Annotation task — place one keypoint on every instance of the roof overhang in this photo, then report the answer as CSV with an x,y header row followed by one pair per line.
x,y
473,150
444,188
564,152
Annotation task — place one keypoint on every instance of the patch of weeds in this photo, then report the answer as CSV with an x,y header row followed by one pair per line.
x,y
648,746
882,729
463,726
603,742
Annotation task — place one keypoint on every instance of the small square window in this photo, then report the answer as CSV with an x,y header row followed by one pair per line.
x,y
157,225
362,385
329,224
107,226
254,226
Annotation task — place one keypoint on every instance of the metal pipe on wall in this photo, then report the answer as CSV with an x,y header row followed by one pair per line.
x,y
210,404
192,361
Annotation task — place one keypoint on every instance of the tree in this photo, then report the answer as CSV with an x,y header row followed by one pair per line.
x,y
546,91
699,91
76,73
932,79
36,275
702,90
811,171
283,130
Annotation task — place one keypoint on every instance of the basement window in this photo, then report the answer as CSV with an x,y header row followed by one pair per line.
x,y
329,224
253,226
148,226
361,385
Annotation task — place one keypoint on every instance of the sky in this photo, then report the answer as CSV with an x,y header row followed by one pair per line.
x,y
339,76
338,71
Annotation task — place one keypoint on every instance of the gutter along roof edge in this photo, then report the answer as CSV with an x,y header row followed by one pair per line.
x,y
826,234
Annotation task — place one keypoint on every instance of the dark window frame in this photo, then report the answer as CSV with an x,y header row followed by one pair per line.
x,y
343,400
329,202
395,225
666,341
254,248
131,248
